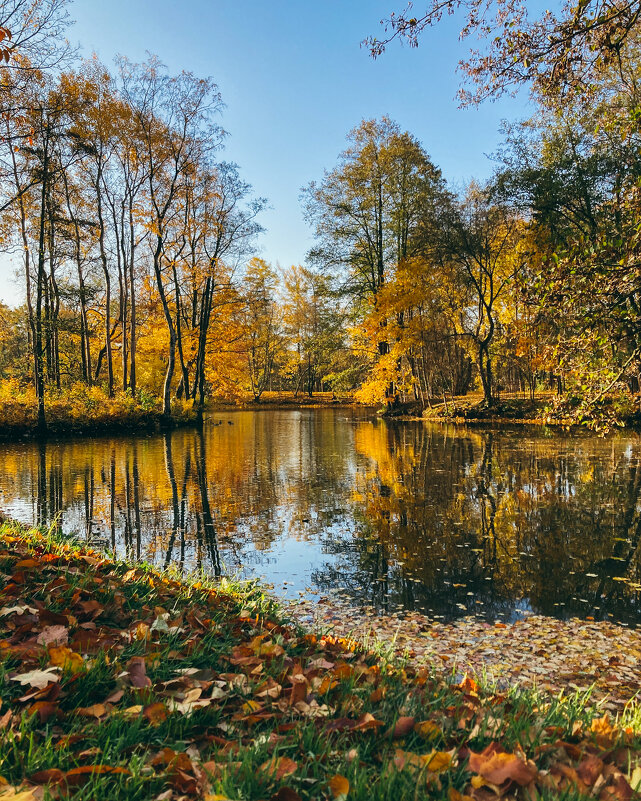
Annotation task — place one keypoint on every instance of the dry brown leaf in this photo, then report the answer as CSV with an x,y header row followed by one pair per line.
x,y
497,767
279,767
137,673
155,713
403,727
93,711
53,635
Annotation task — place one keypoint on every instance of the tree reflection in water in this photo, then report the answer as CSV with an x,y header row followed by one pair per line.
x,y
441,519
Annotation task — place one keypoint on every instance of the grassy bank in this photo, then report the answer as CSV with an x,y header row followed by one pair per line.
x,y
83,410
89,410
545,408
508,409
284,400
120,682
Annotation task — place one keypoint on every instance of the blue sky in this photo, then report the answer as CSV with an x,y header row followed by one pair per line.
x,y
295,80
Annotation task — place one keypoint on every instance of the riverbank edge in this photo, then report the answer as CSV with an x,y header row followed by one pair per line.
x,y
469,410
149,421
64,429
315,716
62,426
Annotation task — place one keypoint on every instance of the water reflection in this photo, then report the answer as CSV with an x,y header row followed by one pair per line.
x,y
446,520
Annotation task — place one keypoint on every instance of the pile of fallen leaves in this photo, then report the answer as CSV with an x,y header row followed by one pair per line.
x,y
555,655
117,682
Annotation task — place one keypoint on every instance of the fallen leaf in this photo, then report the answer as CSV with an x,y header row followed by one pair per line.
x,y
65,658
454,795
38,678
137,672
17,610
339,787
497,766
403,727
155,713
93,711
77,777
51,776
286,794
53,635
427,729
590,769
44,709
13,794
279,767
438,761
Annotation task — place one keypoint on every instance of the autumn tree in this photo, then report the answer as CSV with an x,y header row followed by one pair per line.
x,y
482,241
313,326
263,325
32,32
556,52
174,118
367,208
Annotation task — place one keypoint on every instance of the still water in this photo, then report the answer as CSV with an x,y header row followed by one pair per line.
x,y
396,515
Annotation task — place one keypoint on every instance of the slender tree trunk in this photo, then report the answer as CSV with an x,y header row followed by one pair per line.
x,y
123,288
26,250
485,370
132,303
179,341
38,349
85,348
105,269
171,356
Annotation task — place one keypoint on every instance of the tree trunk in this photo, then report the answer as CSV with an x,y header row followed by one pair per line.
x,y
132,304
485,370
105,269
38,350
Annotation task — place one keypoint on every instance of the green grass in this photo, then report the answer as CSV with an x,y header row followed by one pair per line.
x,y
235,637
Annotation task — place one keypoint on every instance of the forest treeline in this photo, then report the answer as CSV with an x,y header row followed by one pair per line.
x,y
136,246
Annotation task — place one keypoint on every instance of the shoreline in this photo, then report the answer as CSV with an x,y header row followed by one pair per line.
x,y
130,682
62,430
537,651
61,426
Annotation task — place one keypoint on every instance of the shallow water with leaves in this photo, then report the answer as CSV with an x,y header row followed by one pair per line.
x,y
445,520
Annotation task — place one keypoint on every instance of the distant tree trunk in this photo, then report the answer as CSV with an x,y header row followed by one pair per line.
x,y
105,269
171,356
179,342
204,317
54,303
26,250
40,286
485,370
85,351
123,286
132,302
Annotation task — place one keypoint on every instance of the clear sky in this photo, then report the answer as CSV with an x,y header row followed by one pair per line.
x,y
295,80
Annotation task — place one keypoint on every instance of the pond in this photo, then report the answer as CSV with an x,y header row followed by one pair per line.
x,y
447,520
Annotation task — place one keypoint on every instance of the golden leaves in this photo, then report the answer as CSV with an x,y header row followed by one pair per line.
x,y
427,729
339,787
65,658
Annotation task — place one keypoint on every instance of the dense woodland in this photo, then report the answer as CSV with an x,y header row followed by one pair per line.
x,y
138,245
